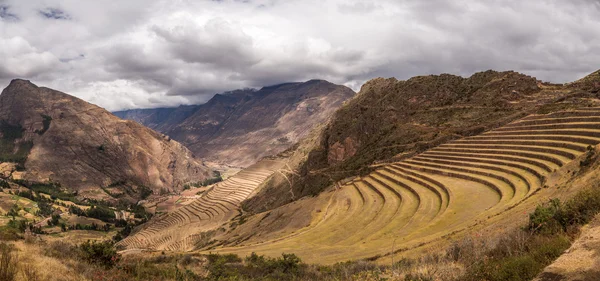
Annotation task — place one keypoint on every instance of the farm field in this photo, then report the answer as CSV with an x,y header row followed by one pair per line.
x,y
180,229
469,184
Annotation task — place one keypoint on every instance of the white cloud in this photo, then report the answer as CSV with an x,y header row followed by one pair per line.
x,y
147,53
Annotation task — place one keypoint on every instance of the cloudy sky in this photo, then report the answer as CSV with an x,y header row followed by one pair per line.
x,y
150,53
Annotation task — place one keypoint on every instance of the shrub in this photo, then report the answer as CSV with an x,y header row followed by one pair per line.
x,y
543,218
102,253
145,192
4,184
8,262
101,213
555,216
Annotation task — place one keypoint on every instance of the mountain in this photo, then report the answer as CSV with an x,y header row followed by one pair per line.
x,y
63,140
390,120
242,126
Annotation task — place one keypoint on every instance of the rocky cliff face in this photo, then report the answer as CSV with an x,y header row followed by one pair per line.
x,y
240,127
61,139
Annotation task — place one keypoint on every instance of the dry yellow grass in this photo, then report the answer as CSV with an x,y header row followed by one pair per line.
x,y
47,268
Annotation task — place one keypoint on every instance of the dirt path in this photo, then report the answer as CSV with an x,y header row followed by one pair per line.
x,y
581,262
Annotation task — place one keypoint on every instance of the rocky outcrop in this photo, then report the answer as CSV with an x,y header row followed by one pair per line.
x,y
341,151
240,127
61,139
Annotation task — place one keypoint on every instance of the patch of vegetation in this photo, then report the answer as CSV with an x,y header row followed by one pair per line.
x,y
46,120
100,212
10,149
54,190
210,181
99,253
550,230
144,192
4,184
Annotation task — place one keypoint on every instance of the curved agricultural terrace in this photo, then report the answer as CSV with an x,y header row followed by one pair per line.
x,y
439,192
179,230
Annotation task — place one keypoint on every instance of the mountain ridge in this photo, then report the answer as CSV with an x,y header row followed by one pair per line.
x,y
259,122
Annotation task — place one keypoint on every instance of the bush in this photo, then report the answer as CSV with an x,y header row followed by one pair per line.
x,y
102,253
4,184
8,262
555,216
101,213
542,220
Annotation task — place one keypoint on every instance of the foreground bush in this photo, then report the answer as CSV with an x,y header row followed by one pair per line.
x,y
102,253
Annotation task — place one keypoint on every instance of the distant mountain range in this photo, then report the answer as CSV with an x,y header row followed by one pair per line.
x,y
240,127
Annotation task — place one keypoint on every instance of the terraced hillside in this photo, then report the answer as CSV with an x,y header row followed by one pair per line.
x,y
181,229
438,193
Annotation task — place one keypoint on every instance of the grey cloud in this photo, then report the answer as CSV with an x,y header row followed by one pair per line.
x,y
217,43
144,53
54,13
6,14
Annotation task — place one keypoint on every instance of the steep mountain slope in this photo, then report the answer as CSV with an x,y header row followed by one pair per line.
x,y
242,126
390,120
64,140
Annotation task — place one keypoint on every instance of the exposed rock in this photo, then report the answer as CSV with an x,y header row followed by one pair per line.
x,y
240,127
339,152
84,147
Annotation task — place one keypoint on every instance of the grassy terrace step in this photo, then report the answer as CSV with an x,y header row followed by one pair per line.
x,y
392,204
460,175
357,204
209,210
513,192
595,133
532,169
412,223
529,180
563,114
338,226
415,176
579,125
439,190
579,147
233,203
521,153
575,119
410,218
555,151
573,139
244,190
